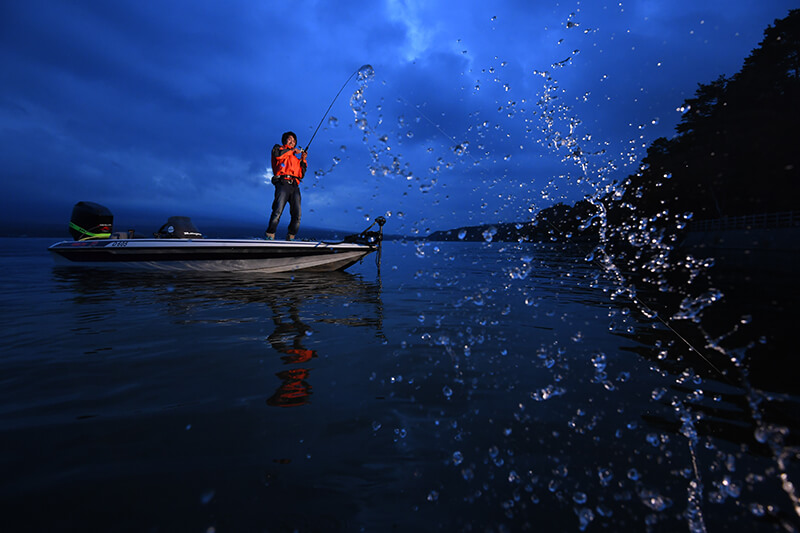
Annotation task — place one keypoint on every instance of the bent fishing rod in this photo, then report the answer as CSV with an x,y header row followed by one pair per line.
x,y
359,69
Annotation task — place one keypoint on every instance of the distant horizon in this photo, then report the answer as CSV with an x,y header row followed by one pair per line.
x,y
149,221
147,224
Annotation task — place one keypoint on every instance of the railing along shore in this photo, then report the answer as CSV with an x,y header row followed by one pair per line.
x,y
785,219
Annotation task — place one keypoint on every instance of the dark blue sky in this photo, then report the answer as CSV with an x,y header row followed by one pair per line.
x,y
171,108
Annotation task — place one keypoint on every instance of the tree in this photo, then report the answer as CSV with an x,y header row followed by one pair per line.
x,y
736,148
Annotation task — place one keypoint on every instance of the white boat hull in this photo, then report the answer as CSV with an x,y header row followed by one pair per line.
x,y
209,255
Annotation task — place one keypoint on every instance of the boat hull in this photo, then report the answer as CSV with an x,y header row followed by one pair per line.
x,y
209,255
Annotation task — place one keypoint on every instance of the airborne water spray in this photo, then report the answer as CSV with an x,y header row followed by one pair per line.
x,y
364,71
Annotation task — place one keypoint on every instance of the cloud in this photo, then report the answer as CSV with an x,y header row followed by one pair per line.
x,y
178,103
419,31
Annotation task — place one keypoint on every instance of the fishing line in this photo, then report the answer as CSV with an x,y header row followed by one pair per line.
x,y
696,492
657,316
359,69
787,485
634,299
438,128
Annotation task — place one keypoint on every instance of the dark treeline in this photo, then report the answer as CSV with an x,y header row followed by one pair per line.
x,y
735,152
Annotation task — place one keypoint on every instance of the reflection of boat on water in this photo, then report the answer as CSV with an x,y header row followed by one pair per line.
x,y
180,246
285,309
184,290
333,298
292,327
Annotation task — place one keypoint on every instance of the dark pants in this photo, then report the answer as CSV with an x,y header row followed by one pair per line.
x,y
285,191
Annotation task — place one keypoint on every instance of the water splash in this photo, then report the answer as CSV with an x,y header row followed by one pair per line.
x,y
554,125
366,73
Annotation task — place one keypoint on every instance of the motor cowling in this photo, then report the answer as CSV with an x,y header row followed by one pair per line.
x,y
90,221
178,228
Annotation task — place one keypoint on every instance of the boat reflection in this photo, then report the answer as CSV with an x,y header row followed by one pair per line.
x,y
297,304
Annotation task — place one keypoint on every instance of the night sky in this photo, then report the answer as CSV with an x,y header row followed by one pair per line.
x,y
477,112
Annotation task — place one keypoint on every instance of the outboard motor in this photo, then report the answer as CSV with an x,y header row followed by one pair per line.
x,y
178,228
90,221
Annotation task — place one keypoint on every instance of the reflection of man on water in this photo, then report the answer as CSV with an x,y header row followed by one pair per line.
x,y
294,389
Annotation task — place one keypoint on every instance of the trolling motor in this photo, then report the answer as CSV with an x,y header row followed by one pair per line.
x,y
370,238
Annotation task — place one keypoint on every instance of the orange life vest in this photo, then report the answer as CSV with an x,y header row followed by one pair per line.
x,y
286,163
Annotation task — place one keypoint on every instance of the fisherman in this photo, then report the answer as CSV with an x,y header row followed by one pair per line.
x,y
288,168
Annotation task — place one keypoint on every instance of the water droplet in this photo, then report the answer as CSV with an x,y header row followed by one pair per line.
x,y
605,476
730,488
461,149
756,509
366,73
654,500
585,516
599,362
659,393
489,234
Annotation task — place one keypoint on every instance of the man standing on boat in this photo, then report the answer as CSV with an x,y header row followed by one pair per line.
x,y
288,168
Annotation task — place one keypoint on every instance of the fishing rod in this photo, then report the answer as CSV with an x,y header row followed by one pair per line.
x,y
359,69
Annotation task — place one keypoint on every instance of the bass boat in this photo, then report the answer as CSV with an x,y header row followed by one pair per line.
x,y
179,246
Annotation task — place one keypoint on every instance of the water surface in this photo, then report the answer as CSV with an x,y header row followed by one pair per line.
x,y
461,386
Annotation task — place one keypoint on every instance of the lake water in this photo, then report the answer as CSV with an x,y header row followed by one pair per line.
x,y
463,386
